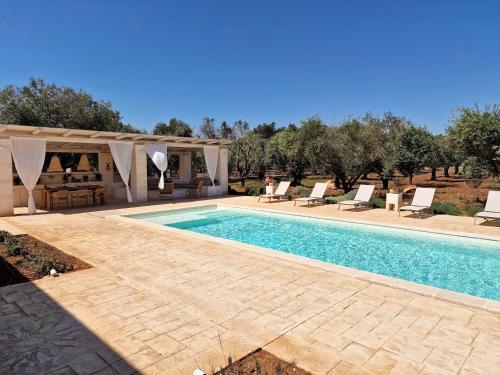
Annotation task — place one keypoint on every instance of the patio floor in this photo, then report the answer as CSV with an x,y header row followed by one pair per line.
x,y
158,302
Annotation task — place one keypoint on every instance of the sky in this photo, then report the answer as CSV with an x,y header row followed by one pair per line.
x,y
260,60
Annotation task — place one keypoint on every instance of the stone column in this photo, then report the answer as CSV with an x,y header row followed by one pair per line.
x,y
221,174
139,175
6,185
106,171
185,167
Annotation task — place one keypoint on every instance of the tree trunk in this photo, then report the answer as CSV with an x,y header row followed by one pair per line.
x,y
456,168
337,182
446,170
365,176
433,174
385,183
242,181
346,187
410,179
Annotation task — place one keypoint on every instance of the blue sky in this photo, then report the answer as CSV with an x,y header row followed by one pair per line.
x,y
260,61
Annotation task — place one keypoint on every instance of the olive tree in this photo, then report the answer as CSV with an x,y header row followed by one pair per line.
x,y
42,104
174,127
284,152
412,147
349,152
476,133
247,155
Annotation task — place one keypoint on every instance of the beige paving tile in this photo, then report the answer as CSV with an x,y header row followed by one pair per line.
x,y
163,302
165,345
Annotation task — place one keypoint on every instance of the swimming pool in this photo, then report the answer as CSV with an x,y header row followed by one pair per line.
x,y
465,265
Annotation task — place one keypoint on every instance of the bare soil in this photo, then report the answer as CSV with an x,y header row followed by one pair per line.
x,y
14,271
261,362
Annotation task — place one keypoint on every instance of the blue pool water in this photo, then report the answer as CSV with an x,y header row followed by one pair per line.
x,y
466,265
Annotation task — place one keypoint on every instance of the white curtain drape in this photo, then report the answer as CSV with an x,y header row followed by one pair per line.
x,y
211,154
122,156
29,155
158,154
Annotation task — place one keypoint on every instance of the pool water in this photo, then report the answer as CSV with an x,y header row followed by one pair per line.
x,y
466,265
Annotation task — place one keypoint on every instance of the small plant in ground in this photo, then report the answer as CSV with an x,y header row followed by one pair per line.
x,y
253,191
277,369
6,237
16,248
445,208
472,211
41,264
346,197
301,191
377,202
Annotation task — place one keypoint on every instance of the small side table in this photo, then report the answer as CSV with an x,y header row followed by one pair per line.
x,y
393,201
269,189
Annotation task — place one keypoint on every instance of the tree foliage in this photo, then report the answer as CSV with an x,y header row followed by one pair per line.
x,y
208,128
350,152
285,154
412,150
48,105
174,127
476,133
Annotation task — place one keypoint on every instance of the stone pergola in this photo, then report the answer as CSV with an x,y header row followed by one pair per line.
x,y
61,140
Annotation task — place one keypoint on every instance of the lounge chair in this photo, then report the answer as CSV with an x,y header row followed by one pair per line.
x,y
317,194
492,208
422,201
362,197
279,193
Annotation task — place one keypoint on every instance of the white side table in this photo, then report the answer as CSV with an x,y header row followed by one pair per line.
x,y
269,189
393,201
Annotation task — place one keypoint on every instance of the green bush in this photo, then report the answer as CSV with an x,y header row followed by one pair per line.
x,y
253,191
471,211
6,237
16,248
445,208
346,197
302,191
377,202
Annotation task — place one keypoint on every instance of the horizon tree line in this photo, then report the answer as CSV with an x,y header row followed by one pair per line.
x,y
346,151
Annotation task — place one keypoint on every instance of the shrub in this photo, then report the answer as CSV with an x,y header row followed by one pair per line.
x,y
16,248
445,208
302,191
6,237
41,264
346,197
377,202
471,211
253,191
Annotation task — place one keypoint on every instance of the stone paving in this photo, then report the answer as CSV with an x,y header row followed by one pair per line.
x,y
158,302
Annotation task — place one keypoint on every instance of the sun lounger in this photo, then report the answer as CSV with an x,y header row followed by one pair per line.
x,y
317,194
422,200
279,193
362,197
492,208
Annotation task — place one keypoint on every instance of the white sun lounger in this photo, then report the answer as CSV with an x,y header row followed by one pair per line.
x,y
422,201
316,195
492,208
362,197
279,193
